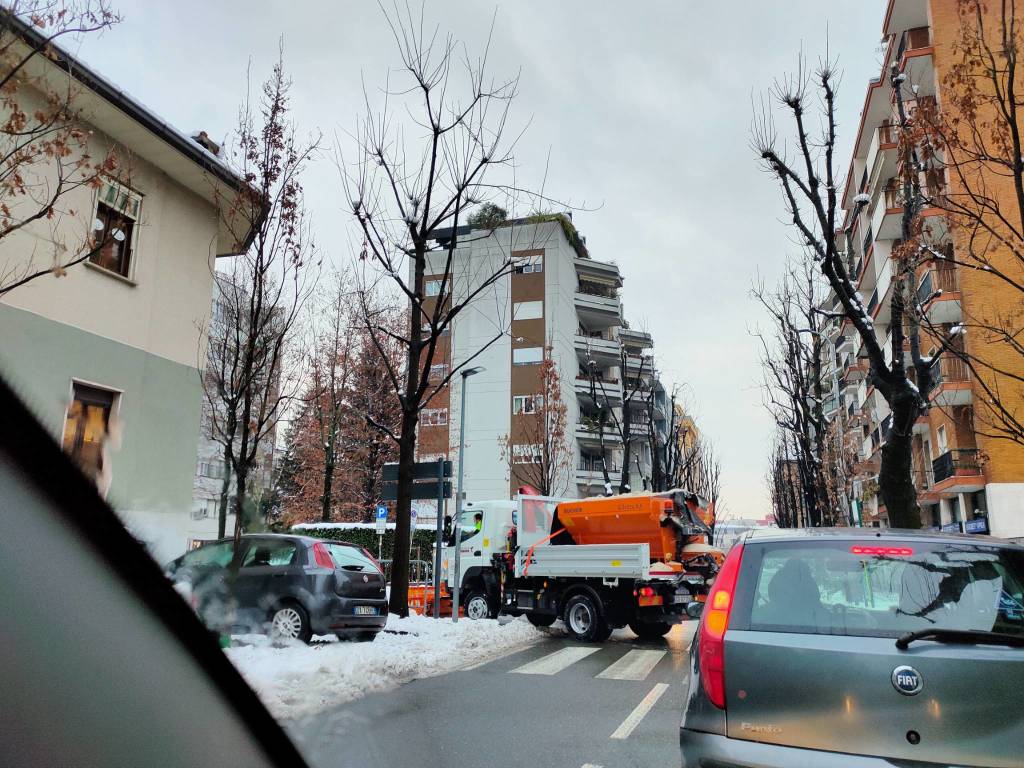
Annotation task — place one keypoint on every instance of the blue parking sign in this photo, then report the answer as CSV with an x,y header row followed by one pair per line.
x,y
382,512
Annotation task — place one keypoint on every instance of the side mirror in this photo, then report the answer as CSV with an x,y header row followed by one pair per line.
x,y
694,609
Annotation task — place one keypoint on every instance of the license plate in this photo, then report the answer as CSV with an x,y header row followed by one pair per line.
x,y
681,599
365,610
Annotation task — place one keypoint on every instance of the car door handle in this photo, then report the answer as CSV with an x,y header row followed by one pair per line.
x,y
476,553
278,575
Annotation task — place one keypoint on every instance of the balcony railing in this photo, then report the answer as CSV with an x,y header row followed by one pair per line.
x,y
869,237
886,134
951,370
597,289
937,280
956,461
873,301
594,465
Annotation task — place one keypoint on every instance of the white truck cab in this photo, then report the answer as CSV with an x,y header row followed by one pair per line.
x,y
476,549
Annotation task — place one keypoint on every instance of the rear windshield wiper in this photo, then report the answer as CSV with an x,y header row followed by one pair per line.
x,y
965,636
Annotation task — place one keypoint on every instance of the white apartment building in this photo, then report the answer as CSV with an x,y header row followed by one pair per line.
x,y
558,296
108,356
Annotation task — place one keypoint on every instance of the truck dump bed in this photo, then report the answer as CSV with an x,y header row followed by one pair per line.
x,y
634,519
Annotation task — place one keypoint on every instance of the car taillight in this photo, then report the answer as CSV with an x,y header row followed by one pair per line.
x,y
322,556
713,624
646,591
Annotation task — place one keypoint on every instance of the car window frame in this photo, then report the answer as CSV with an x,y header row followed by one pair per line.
x,y
753,558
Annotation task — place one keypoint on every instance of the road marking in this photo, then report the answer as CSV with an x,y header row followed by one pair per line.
x,y
590,765
635,665
555,662
510,652
638,714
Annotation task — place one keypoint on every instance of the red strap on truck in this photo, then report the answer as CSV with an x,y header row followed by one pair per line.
x,y
529,552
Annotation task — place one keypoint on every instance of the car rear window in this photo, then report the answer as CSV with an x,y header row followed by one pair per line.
x,y
881,588
351,557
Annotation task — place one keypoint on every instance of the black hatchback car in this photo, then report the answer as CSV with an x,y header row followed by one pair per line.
x,y
288,586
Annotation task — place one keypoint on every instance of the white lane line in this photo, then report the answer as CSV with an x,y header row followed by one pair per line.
x,y
638,714
555,662
635,665
590,765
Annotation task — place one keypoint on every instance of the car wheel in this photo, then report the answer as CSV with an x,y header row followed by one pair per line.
x,y
650,630
290,622
584,620
478,606
540,619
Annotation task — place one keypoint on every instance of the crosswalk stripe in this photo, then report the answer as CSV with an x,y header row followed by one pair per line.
x,y
638,714
635,665
555,662
590,765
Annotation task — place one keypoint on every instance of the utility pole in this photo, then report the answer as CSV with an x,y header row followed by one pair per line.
x,y
460,494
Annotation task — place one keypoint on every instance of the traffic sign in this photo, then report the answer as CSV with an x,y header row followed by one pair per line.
x,y
389,491
421,470
382,519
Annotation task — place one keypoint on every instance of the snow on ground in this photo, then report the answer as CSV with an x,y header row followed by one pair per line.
x,y
294,680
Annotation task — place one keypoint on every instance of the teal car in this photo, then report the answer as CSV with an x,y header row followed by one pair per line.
x,y
834,648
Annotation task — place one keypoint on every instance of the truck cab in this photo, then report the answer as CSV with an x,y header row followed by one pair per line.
x,y
479,588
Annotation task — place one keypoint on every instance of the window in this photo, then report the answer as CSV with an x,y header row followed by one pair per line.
x,y
858,588
214,469
528,310
527,355
352,558
434,417
527,403
940,433
432,287
528,265
269,553
438,372
117,214
86,427
218,555
528,453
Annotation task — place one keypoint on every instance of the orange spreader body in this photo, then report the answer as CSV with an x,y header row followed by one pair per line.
x,y
626,519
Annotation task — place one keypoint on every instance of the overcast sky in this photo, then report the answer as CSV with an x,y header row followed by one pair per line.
x,y
644,107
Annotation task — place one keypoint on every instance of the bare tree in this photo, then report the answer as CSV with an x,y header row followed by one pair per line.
x,y
810,185
248,379
51,161
425,157
544,460
793,386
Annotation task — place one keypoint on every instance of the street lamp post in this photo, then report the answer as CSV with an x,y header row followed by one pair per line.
x,y
833,366
460,494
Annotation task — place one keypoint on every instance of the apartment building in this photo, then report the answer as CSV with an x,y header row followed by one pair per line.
x,y
558,302
107,356
966,481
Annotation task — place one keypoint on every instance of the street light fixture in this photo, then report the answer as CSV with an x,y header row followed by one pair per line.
x,y
457,532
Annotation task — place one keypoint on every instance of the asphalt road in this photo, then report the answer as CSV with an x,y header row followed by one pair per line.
x,y
556,703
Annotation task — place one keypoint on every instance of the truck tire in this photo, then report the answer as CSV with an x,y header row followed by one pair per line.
x,y
650,630
540,619
584,619
479,607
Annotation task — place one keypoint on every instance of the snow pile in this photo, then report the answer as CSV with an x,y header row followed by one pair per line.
x,y
295,680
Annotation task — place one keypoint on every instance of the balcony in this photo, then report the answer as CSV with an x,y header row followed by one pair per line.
x,y
939,296
952,385
595,477
606,388
601,269
598,307
635,337
592,437
913,40
637,363
958,471
856,369
597,345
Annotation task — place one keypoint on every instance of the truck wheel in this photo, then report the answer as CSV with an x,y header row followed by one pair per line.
x,y
540,619
479,607
584,620
650,630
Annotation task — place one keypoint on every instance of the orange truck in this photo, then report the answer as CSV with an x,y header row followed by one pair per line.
x,y
639,559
